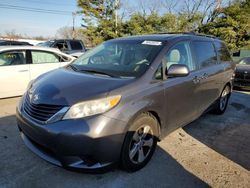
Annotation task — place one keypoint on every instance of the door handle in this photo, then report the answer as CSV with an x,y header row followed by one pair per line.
x,y
196,80
23,70
204,76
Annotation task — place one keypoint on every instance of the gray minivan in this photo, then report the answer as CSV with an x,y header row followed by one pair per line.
x,y
115,102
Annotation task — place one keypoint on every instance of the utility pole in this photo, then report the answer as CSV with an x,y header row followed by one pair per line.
x,y
116,16
73,27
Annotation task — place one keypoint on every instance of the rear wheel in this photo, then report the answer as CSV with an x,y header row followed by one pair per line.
x,y
223,101
140,142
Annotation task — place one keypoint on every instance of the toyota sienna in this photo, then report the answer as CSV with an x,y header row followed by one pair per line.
x,y
113,104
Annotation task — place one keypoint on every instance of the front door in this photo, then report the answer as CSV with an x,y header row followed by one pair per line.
x,y
180,92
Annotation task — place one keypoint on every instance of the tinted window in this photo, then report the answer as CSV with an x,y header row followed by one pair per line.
x,y
245,61
205,53
178,54
75,45
44,57
222,51
12,58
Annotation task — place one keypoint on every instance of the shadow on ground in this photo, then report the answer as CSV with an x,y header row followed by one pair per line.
x,y
227,134
21,168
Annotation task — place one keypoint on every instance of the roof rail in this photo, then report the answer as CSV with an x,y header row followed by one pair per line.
x,y
190,33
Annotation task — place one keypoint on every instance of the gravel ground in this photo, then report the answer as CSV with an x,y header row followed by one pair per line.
x,y
212,151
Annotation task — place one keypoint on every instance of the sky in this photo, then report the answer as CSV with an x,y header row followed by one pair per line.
x,y
37,23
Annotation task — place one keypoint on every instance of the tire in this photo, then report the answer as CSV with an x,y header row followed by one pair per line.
x,y
222,103
139,143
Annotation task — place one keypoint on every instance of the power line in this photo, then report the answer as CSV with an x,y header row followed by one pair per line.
x,y
45,3
34,9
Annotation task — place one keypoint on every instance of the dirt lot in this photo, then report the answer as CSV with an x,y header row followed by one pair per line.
x,y
212,151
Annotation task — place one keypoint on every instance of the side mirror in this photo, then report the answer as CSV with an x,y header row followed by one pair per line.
x,y
177,70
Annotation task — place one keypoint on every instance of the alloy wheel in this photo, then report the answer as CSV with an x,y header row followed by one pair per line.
x,y
141,144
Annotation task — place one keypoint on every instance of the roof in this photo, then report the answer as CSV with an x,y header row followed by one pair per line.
x,y
55,50
21,47
166,37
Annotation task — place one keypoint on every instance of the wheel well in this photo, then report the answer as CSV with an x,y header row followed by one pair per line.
x,y
156,116
230,85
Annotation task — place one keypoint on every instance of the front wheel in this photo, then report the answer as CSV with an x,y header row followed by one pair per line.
x,y
222,103
140,143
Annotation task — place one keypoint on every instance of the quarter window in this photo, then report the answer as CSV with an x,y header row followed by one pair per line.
x,y
12,58
205,54
44,57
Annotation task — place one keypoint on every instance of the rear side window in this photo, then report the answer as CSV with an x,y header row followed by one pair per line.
x,y
44,57
205,53
12,58
222,51
75,45
63,46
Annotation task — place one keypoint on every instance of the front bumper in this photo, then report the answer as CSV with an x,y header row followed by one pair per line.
x,y
89,144
241,83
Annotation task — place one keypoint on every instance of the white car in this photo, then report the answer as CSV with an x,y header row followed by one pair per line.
x,y
21,64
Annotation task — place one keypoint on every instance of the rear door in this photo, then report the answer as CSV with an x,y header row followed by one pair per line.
x,y
210,72
14,73
42,62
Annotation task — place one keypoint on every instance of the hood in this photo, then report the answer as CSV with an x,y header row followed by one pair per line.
x,y
242,68
67,87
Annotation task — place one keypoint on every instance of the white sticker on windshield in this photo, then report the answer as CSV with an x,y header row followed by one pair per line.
x,y
154,43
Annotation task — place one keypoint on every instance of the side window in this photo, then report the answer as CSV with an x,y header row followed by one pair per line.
x,y
222,51
63,46
12,58
178,54
44,57
205,53
75,45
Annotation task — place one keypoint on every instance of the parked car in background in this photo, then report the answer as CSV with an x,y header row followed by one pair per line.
x,y
13,43
77,54
21,64
113,104
68,46
242,74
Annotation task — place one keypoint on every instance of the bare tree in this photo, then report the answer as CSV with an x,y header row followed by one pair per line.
x,y
68,33
204,8
12,35
170,5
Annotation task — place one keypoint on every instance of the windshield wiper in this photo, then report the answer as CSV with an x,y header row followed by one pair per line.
x,y
73,67
99,72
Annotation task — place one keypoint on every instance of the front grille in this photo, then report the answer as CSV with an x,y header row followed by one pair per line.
x,y
242,76
40,112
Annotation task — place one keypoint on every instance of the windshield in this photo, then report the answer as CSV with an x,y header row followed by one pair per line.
x,y
245,61
124,58
45,44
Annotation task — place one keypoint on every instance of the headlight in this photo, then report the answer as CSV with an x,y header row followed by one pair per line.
x,y
89,108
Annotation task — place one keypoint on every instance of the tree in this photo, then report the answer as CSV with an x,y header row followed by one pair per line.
x,y
232,24
100,19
